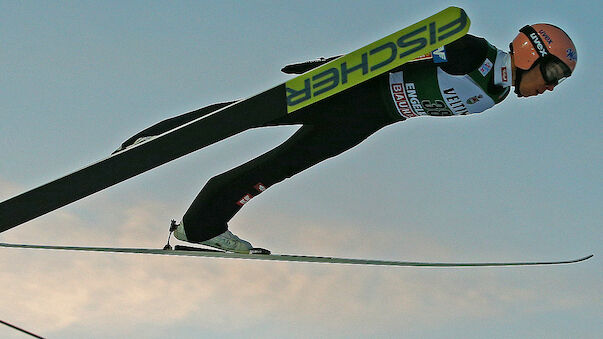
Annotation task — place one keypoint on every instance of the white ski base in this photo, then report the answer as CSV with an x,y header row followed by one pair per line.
x,y
286,257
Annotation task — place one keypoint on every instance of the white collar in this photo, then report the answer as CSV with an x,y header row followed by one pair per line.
x,y
503,75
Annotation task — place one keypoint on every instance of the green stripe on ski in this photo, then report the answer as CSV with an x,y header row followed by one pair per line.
x,y
285,257
377,58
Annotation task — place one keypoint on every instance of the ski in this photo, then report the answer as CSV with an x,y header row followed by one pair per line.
x,y
202,252
290,97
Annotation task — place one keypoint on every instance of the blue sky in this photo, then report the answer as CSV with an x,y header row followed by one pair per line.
x,y
519,182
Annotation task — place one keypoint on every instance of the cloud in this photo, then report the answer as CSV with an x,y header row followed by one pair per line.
x,y
8,189
61,292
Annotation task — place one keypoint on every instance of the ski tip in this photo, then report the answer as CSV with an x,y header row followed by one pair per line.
x,y
585,258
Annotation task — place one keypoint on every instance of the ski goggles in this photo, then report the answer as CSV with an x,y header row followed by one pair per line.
x,y
553,70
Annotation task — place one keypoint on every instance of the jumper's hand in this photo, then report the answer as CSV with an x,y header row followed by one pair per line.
x,y
303,67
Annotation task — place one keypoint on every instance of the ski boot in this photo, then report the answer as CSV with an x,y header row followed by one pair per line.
x,y
226,241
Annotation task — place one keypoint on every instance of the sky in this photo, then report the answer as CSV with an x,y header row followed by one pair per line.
x,y
519,182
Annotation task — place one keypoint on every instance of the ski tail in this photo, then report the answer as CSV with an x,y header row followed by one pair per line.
x,y
377,58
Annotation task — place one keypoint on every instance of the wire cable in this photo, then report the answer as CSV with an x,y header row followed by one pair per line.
x,y
20,329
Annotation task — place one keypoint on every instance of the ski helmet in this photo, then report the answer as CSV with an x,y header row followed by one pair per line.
x,y
547,46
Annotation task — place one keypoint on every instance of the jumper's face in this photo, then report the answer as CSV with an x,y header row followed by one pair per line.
x,y
532,83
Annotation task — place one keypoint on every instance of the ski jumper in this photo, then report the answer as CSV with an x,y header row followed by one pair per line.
x,y
464,77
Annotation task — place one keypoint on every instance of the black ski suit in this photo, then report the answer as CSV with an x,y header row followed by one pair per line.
x,y
329,127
